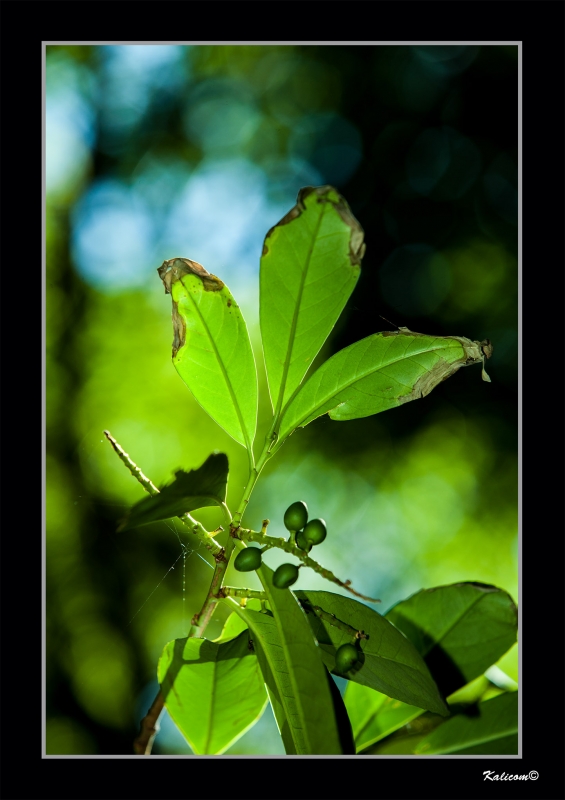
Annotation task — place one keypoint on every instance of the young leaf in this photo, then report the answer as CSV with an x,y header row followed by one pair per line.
x,y
309,267
460,630
296,670
373,715
213,691
380,372
388,662
211,348
491,730
205,486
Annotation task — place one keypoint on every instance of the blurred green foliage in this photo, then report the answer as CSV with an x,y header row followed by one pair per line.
x,y
159,151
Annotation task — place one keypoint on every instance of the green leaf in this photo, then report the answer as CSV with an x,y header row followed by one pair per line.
x,y
296,676
460,629
213,691
373,715
380,372
309,267
389,663
489,728
199,488
234,625
211,348
275,699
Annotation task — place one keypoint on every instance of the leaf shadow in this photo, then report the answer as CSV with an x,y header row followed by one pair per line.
x,y
443,669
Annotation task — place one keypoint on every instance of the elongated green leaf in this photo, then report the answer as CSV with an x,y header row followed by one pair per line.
x,y
295,670
213,691
380,372
373,715
309,267
460,629
211,348
205,486
389,662
276,700
490,728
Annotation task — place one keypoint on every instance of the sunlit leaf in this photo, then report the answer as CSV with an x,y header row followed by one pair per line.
x,y
234,625
199,488
460,629
380,372
309,267
278,706
211,348
296,674
489,728
389,662
213,691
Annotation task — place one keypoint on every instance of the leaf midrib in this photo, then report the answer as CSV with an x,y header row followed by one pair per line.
x,y
477,741
392,727
366,373
212,702
295,687
223,369
294,323
276,672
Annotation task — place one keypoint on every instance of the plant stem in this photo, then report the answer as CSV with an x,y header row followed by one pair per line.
x,y
251,481
189,522
149,727
286,545
232,591
201,620
332,619
150,723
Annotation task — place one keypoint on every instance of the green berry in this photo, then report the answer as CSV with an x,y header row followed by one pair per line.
x,y
302,542
315,531
296,516
285,576
247,560
345,658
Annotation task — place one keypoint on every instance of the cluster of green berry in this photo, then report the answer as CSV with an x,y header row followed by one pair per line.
x,y
305,534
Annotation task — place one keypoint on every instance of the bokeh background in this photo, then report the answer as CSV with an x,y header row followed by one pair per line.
x,y
156,151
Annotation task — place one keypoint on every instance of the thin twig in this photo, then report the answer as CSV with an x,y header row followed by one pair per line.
x,y
189,522
149,727
150,723
232,591
201,620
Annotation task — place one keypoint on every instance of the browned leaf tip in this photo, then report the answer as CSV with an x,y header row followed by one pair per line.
x,y
175,268
356,243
